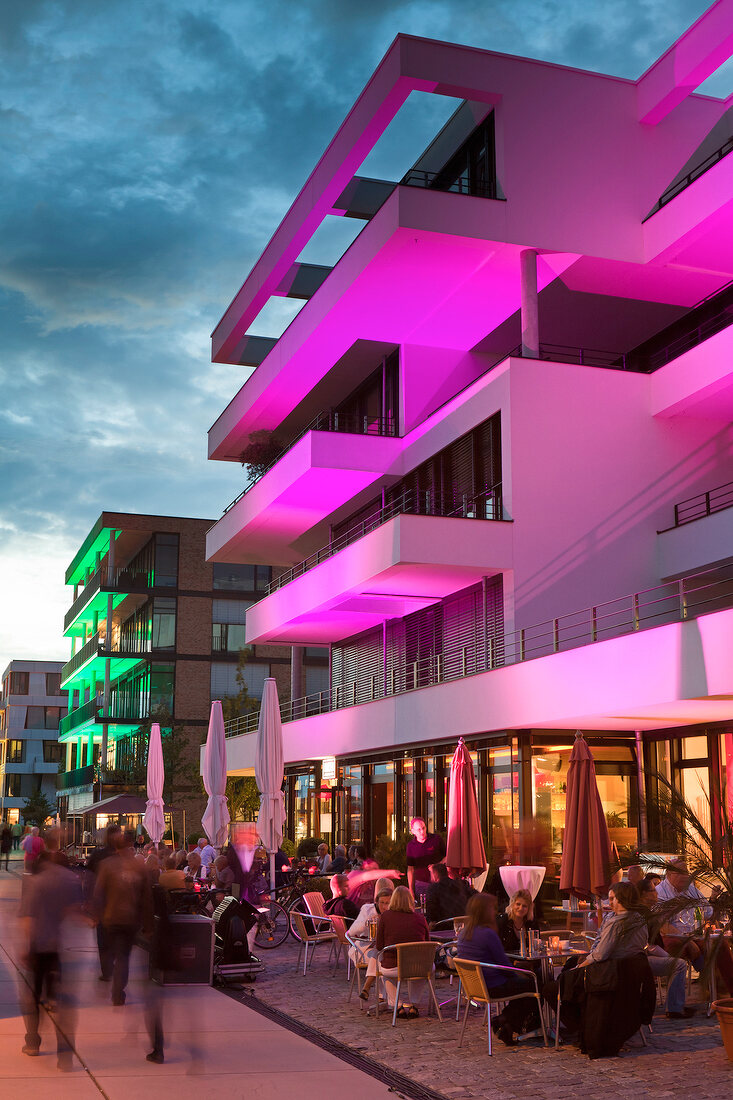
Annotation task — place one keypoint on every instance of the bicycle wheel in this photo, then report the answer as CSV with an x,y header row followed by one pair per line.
x,y
273,926
297,906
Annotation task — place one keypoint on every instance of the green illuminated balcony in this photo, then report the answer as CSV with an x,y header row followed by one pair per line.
x,y
89,662
89,720
92,600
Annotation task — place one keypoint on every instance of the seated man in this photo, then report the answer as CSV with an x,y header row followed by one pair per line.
x,y
664,965
444,897
339,904
676,935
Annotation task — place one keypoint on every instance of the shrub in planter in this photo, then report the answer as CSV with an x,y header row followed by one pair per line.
x,y
261,451
309,846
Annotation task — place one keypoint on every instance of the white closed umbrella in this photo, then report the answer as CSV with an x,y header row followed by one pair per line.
x,y
214,774
269,769
153,818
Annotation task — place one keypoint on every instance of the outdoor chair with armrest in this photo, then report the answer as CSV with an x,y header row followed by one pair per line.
x,y
414,963
310,939
360,964
475,989
316,907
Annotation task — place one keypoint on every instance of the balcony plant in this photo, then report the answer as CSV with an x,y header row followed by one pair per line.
x,y
261,451
677,827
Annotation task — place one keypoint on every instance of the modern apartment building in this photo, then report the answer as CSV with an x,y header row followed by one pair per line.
x,y
505,502
154,630
31,706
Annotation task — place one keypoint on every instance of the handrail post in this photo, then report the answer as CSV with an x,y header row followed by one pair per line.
x,y
521,645
594,624
707,504
490,652
635,610
555,635
682,598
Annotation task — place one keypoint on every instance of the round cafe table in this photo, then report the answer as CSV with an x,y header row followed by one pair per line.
x,y
522,878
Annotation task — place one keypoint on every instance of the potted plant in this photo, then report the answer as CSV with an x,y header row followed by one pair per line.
x,y
708,855
262,450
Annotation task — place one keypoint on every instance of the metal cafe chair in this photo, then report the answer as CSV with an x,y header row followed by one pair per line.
x,y
359,964
309,939
414,963
475,989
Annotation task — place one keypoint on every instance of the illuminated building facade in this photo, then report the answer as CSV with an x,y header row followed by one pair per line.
x,y
501,482
31,706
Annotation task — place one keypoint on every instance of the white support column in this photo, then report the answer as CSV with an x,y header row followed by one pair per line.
x,y
105,711
296,671
529,304
111,558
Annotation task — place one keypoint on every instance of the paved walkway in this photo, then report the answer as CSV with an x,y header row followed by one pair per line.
x,y
214,1046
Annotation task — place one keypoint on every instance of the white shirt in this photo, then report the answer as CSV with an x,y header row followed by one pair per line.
x,y
207,855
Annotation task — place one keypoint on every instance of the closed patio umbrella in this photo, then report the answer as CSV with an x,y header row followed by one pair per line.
x,y
214,774
587,863
465,852
269,769
153,818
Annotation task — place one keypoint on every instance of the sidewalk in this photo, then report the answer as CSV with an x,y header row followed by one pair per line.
x,y
214,1045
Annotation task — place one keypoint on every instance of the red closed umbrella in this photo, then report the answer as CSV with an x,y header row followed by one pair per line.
x,y
587,863
465,854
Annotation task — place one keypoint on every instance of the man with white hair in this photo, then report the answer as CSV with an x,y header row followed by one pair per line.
x,y
208,855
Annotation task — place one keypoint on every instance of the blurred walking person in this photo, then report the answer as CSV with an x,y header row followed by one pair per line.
x,y
123,904
6,843
32,844
94,862
50,897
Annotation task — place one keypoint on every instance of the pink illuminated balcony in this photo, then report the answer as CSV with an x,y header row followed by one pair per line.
x,y
317,475
396,567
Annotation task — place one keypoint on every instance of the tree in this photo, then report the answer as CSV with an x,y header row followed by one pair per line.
x,y
242,793
37,808
180,758
262,450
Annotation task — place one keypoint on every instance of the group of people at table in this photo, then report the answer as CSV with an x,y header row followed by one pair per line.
x,y
628,930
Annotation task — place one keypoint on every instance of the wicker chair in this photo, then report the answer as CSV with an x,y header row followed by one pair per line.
x,y
414,963
310,939
474,988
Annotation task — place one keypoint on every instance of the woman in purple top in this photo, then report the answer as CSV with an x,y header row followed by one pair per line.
x,y
423,851
478,941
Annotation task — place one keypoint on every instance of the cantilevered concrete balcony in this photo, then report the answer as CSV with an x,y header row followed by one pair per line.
x,y
408,562
319,474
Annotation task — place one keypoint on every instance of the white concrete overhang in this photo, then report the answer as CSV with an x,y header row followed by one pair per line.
x,y
407,563
322,472
670,676
698,383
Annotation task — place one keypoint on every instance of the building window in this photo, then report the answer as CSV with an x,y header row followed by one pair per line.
x,y
224,679
53,753
228,625
166,561
316,679
43,718
18,683
161,689
242,578
16,752
164,623
53,683
12,786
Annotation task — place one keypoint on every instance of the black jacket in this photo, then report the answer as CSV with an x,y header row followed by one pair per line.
x,y
608,1020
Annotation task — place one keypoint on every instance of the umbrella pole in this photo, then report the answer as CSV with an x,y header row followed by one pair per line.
x,y
272,875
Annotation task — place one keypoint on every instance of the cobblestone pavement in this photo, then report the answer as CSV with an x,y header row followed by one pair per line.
x,y
682,1058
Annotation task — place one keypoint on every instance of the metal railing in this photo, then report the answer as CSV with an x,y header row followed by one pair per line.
x,y
700,169
89,649
485,506
697,335
677,601
96,647
487,189
703,504
329,421
565,353
77,777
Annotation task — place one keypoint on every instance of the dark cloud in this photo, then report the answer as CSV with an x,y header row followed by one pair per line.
x,y
150,150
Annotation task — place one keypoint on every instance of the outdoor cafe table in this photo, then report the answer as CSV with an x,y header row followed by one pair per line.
x,y
548,959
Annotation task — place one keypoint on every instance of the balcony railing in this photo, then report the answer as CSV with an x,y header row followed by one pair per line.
x,y
704,504
79,716
565,353
330,421
77,777
88,650
96,647
486,505
698,594
481,189
90,589
698,334
699,170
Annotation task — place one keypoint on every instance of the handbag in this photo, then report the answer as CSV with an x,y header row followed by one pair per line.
x,y
601,977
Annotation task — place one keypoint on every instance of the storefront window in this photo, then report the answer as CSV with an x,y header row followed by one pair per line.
x,y
694,748
428,770
353,783
303,787
503,799
382,801
408,771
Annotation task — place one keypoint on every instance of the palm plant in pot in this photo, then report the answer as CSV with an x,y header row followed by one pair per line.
x,y
698,911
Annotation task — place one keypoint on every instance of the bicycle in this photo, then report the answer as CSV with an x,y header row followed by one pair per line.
x,y
275,923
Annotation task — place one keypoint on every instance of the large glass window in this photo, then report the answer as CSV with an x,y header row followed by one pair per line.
x,y
161,688
228,628
241,578
354,786
164,623
18,683
316,679
53,683
16,752
224,679
503,793
13,786
382,803
53,753
166,561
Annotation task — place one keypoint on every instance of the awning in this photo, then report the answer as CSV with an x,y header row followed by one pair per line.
x,y
119,804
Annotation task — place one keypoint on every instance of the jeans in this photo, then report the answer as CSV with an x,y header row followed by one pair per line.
x,y
675,971
517,1014
119,943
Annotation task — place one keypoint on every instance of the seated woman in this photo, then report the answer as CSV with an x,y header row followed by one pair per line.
x,y
516,918
223,876
171,877
383,891
400,924
195,871
478,941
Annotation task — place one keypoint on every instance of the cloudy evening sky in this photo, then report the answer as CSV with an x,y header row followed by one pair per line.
x,y
149,150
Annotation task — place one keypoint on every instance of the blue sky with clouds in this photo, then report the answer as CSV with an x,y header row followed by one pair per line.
x,y
150,148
